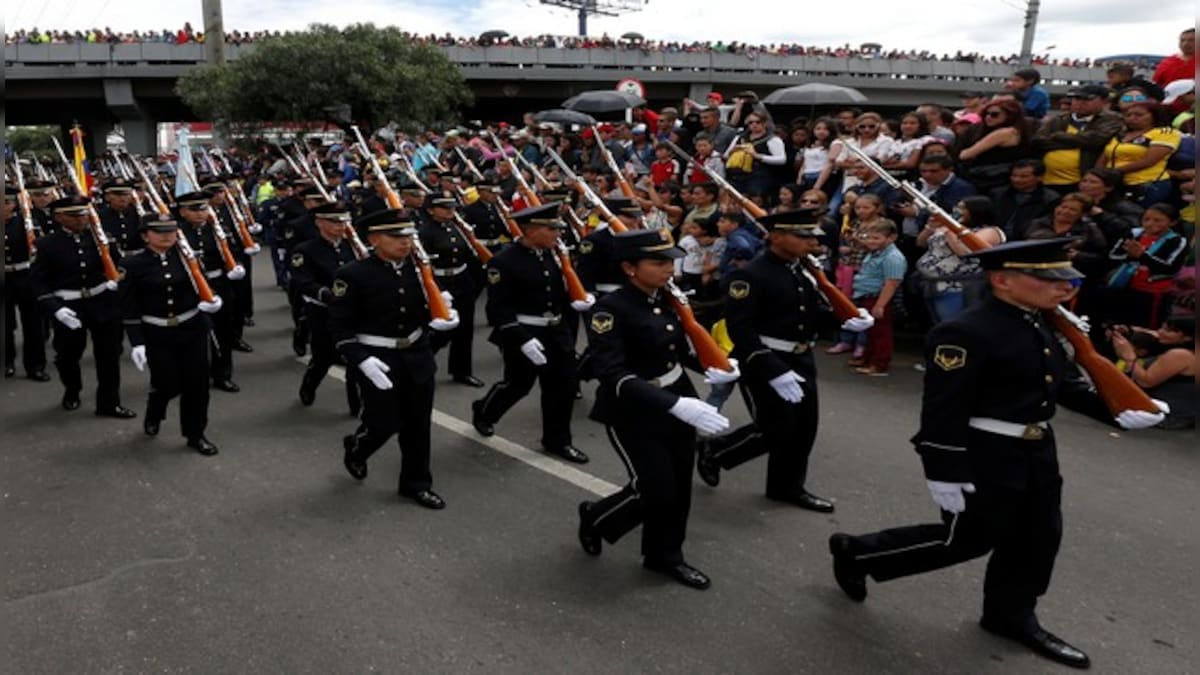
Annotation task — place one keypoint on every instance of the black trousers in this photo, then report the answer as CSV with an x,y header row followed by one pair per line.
x,y
1021,527
18,299
243,291
224,333
783,431
462,338
324,355
178,361
557,381
405,411
659,460
106,350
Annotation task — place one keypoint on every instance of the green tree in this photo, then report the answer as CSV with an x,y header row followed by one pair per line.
x,y
24,139
378,72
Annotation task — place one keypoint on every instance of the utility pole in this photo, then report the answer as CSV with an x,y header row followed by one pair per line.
x,y
1031,15
214,32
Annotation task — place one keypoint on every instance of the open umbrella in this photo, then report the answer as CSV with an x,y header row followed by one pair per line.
x,y
493,34
562,116
814,93
603,100
633,37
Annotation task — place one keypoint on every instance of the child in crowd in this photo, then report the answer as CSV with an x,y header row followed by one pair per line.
x,y
741,241
875,286
859,213
697,271
664,167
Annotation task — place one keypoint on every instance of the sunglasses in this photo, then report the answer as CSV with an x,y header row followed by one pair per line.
x,y
1132,98
994,113
868,126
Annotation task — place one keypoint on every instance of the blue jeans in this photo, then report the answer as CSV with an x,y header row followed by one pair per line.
x,y
945,305
856,340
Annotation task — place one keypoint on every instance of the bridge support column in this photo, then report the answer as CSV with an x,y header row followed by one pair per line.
x,y
141,136
140,129
698,90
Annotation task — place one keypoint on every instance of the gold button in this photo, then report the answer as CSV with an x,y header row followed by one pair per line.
x,y
1049,378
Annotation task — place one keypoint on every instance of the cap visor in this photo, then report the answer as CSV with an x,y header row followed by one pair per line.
x,y
1061,274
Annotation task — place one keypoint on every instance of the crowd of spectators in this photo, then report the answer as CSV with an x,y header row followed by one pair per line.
x,y
187,35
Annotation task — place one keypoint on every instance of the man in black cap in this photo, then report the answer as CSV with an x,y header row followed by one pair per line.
x,y
68,280
453,259
314,264
120,217
485,215
298,229
41,193
993,378
271,215
380,320
165,319
193,212
772,312
598,270
527,306
19,298
241,299
1070,143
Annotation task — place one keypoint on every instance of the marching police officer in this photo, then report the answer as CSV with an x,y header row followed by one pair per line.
x,y
648,407
485,216
314,264
119,216
453,259
271,215
241,295
41,193
599,271
527,305
772,313
166,323
379,320
194,212
68,279
19,298
297,229
994,376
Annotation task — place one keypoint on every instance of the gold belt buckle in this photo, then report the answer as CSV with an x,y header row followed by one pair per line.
x,y
1033,432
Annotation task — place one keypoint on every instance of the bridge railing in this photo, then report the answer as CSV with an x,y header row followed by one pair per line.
x,y
34,55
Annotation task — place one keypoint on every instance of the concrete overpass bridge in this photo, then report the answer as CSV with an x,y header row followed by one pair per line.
x,y
133,85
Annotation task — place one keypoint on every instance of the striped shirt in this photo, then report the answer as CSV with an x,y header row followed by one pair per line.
x,y
878,267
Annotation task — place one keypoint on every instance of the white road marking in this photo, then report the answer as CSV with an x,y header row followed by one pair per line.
x,y
538,460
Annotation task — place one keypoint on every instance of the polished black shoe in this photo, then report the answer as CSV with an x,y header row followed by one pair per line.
x,y
242,346
427,498
469,380
484,428
226,385
1041,642
307,394
570,453
118,412
150,427
39,376
805,500
299,343
202,445
706,467
588,539
356,467
70,401
847,572
682,572
248,322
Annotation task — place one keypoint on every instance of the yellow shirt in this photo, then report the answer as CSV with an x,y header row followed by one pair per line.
x,y
1062,166
1119,152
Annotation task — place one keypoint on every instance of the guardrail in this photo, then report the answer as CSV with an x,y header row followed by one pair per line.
x,y
36,55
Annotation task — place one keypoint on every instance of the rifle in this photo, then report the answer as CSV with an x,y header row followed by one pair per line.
x,y
743,201
468,163
433,294
360,249
622,181
26,205
1118,392
533,170
98,233
249,246
238,191
707,351
199,282
527,193
464,228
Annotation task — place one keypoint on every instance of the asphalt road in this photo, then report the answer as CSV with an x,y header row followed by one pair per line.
x,y
129,554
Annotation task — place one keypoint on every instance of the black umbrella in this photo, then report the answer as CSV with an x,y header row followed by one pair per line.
x,y
561,116
633,37
603,100
493,34
814,93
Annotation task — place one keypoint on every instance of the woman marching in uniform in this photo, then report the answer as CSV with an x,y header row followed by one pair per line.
x,y
649,408
165,320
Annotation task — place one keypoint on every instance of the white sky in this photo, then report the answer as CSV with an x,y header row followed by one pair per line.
x,y
1075,28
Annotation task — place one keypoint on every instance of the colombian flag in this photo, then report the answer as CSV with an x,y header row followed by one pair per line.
x,y
82,169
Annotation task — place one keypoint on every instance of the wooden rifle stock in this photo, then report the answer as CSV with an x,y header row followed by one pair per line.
x,y
514,230
468,233
222,241
575,290
25,203
843,307
708,352
199,282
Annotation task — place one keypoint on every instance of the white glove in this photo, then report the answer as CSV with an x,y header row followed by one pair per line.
x,y
449,299
111,285
211,307
445,324
67,317
699,414
1131,420
535,352
252,250
858,324
585,304
1084,324
949,496
376,372
255,228
238,272
787,386
138,356
718,376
